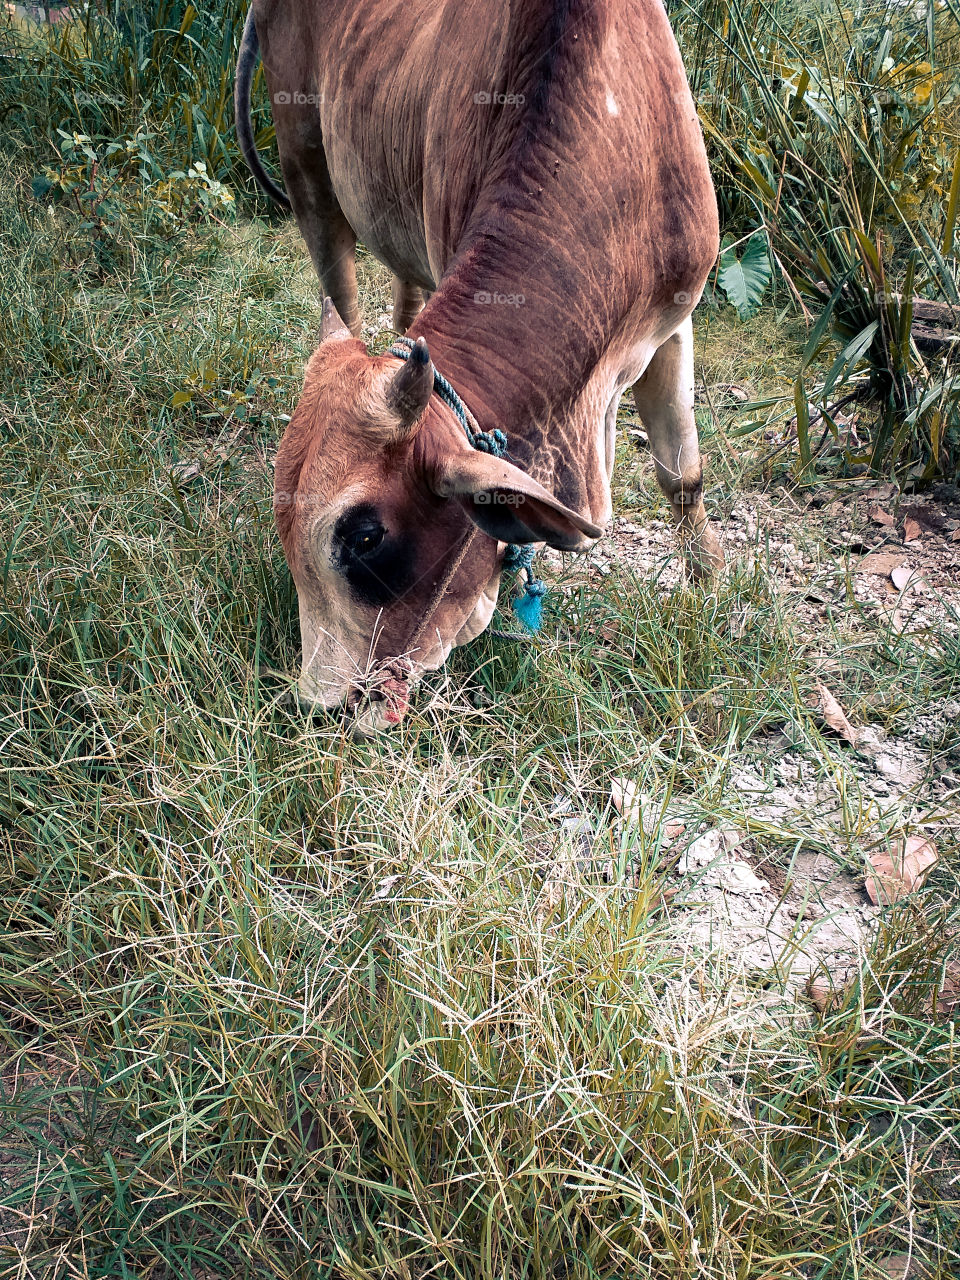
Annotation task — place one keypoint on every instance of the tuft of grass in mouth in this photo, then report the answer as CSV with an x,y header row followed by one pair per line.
x,y
276,1002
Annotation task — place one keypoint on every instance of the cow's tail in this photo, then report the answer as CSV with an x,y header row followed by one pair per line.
x,y
246,66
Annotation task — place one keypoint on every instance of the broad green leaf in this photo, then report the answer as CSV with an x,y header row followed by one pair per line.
x,y
40,185
744,280
849,358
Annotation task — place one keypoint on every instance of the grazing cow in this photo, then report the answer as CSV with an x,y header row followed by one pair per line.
x,y
533,174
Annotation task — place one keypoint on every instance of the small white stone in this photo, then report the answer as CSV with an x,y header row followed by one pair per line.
x,y
706,848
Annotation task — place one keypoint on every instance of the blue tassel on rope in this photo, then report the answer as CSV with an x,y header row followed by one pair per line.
x,y
529,606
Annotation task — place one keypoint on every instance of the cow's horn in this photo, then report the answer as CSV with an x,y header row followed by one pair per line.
x,y
331,326
411,386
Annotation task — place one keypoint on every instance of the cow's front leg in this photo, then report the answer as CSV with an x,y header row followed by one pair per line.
x,y
664,400
408,300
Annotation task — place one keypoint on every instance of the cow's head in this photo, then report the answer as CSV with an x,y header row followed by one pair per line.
x,y
377,493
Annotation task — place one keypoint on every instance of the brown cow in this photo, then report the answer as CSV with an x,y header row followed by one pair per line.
x,y
536,171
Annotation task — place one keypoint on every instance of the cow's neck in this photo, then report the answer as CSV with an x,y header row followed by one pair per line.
x,y
518,323
512,358
519,332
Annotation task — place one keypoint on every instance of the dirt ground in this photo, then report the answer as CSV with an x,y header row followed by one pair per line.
x,y
806,913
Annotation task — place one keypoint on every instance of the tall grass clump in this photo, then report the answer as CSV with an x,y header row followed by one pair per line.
x,y
162,69
835,135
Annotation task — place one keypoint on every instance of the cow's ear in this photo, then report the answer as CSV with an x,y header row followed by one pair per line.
x,y
509,505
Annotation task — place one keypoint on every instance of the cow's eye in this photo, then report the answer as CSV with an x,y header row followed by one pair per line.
x,y
363,539
378,564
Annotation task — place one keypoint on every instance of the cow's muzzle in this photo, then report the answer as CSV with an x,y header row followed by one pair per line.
x,y
381,700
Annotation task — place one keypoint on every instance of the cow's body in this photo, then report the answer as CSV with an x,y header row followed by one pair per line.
x,y
537,167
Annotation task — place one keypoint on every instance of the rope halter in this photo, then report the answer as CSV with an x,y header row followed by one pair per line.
x,y
387,684
528,606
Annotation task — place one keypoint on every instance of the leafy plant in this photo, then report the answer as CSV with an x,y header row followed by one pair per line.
x,y
744,279
163,69
107,189
837,132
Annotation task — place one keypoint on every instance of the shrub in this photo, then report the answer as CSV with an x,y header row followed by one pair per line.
x,y
834,136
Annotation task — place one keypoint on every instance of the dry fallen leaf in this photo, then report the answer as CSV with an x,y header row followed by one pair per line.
x,y
883,884
879,516
665,894
945,1003
955,536
899,871
919,856
928,518
903,577
832,713
822,992
627,799
879,563
899,1266
911,531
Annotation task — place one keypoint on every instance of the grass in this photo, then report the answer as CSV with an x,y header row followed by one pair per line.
x,y
278,1003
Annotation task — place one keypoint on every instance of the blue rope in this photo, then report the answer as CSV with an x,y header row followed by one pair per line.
x,y
517,557
529,605
493,442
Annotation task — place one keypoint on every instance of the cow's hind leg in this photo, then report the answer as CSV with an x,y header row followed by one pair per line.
x,y
664,400
329,237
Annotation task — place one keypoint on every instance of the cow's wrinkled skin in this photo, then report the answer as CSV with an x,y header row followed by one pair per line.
x,y
535,169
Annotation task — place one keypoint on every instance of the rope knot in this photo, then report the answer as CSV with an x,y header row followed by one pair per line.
x,y
493,442
516,557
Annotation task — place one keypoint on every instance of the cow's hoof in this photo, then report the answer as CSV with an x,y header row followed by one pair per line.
x,y
704,555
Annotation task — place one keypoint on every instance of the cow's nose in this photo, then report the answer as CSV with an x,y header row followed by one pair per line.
x,y
375,714
319,695
383,700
